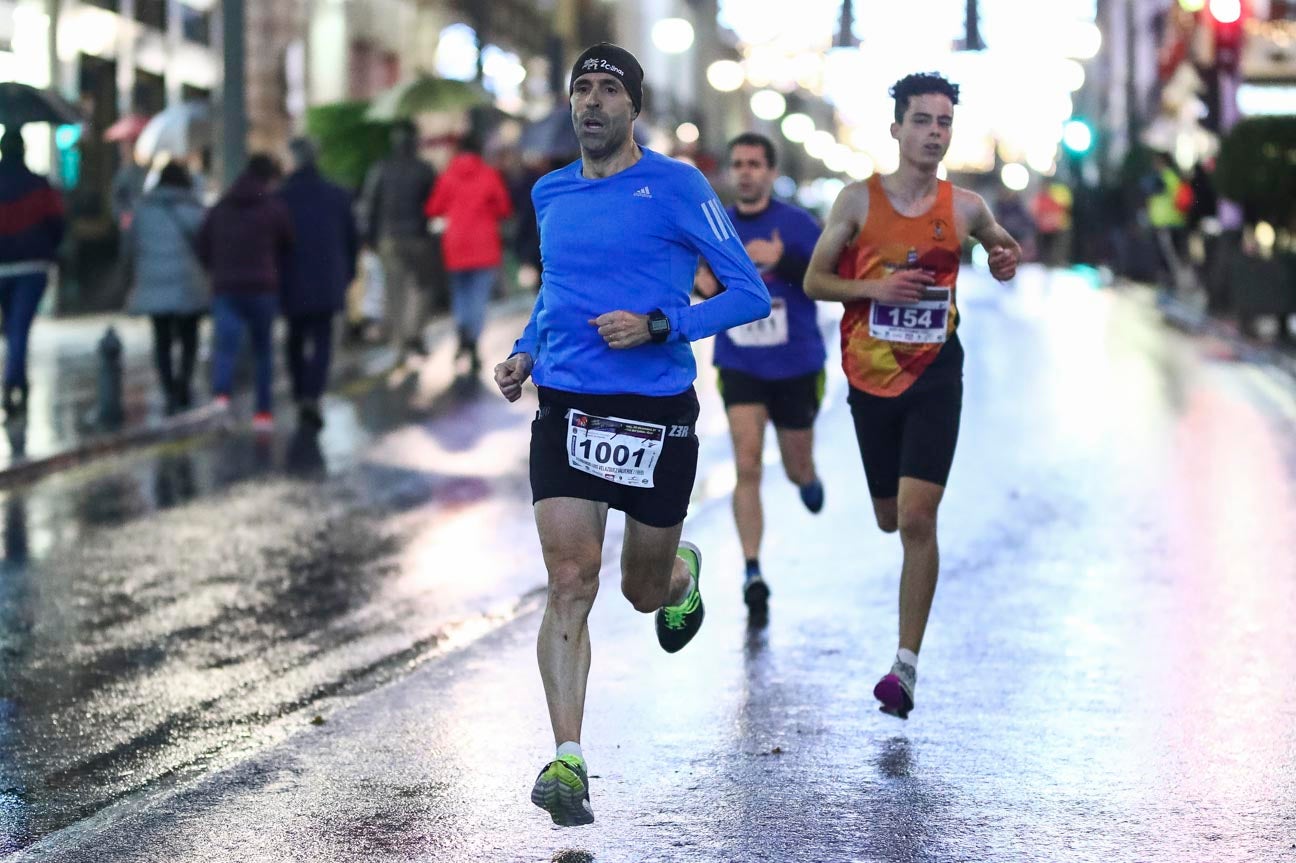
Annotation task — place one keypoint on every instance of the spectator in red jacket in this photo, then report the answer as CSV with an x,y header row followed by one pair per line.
x,y
472,198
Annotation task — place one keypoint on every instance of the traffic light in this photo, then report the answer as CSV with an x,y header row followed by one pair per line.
x,y
1077,136
1225,17
66,139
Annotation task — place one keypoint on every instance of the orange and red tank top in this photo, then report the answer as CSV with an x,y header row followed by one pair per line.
x,y
886,348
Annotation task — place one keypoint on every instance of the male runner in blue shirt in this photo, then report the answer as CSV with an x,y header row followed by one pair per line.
x,y
608,344
771,370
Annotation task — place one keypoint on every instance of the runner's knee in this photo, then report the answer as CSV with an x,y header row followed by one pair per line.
x,y
748,466
573,580
917,524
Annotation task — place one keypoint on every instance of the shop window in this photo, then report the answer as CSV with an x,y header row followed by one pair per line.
x,y
152,13
196,24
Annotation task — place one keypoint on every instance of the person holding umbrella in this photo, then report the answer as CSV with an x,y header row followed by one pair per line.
x,y
31,228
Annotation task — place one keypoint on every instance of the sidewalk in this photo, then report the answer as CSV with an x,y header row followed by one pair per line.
x,y
1190,317
62,425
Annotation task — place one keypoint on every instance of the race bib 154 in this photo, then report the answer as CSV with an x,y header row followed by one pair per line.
x,y
923,322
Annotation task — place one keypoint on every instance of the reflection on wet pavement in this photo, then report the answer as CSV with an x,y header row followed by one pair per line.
x,y
1107,675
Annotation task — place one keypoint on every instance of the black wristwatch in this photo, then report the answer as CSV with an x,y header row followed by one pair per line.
x,y
659,327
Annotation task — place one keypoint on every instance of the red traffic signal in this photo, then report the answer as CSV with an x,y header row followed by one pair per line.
x,y
1226,25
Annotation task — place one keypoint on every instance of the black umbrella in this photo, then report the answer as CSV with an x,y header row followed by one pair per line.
x,y
20,103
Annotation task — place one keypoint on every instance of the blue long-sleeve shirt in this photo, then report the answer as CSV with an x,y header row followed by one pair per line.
x,y
631,241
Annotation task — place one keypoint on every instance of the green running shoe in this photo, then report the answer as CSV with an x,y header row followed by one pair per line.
x,y
677,624
562,790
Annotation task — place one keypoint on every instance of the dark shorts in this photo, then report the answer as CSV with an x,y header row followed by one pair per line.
x,y
912,434
663,505
792,403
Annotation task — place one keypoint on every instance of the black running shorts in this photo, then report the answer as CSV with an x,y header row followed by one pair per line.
x,y
792,403
555,445
912,434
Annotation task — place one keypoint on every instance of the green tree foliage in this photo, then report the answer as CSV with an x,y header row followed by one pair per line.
x,y
1257,168
348,143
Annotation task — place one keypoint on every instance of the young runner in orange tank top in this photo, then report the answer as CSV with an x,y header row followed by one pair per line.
x,y
890,253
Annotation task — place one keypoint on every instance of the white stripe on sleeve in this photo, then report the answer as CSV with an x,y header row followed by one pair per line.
x,y
710,217
721,219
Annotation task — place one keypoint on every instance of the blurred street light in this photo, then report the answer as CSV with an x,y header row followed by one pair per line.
x,y
672,35
725,75
797,128
1015,176
1072,75
768,104
1084,40
859,166
1077,136
1226,11
819,143
687,132
1192,5
837,159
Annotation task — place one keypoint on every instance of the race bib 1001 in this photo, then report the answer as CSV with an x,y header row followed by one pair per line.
x,y
617,450
923,322
768,332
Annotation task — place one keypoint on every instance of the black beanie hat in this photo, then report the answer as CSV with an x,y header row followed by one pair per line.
x,y
614,60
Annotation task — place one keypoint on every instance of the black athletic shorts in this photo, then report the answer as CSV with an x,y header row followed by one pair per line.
x,y
664,504
912,434
792,403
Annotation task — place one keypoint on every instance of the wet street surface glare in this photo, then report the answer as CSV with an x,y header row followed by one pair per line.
x,y
225,652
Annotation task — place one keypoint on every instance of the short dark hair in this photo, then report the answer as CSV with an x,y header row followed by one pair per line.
x,y
303,151
264,167
754,139
175,174
12,145
920,84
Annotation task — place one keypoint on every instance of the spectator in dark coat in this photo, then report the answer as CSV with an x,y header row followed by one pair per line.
x,y
316,275
169,283
244,243
470,195
31,228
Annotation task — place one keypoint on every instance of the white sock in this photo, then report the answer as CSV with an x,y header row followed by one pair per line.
x,y
908,657
571,747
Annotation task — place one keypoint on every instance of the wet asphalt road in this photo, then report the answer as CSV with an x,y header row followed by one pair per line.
x,y
1107,676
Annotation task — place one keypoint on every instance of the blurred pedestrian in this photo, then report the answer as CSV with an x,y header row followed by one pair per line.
x,y
31,228
1051,208
526,231
128,183
1169,198
1014,217
395,192
318,271
471,197
244,243
169,284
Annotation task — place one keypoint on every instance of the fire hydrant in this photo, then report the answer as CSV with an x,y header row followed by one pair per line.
x,y
110,379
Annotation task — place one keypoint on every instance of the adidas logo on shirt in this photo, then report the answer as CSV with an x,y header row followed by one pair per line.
x,y
643,193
